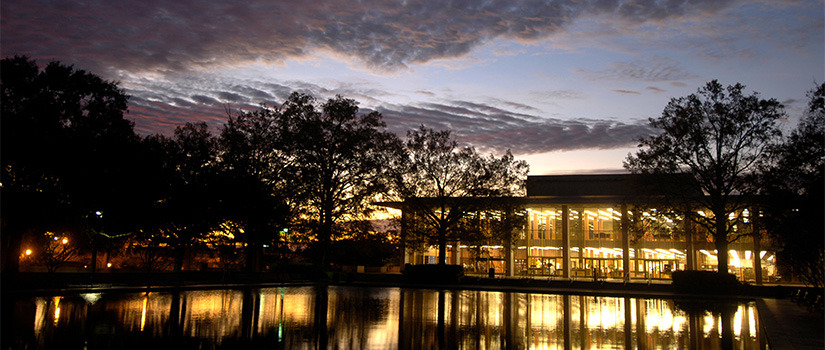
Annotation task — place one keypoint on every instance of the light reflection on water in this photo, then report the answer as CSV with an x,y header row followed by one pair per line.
x,y
371,318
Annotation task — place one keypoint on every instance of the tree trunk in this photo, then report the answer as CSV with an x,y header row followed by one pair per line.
x,y
325,236
93,264
12,240
253,256
179,252
442,247
720,239
254,240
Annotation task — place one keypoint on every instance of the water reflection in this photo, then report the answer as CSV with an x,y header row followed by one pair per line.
x,y
373,318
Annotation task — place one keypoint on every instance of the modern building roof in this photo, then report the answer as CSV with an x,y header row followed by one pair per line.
x,y
597,188
606,186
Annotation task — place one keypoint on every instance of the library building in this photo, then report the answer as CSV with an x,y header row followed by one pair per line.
x,y
593,226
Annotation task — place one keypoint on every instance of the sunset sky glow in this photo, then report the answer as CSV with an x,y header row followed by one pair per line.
x,y
567,85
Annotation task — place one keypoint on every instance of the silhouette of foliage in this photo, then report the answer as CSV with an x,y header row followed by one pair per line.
x,y
442,185
795,186
54,250
718,137
340,161
66,150
257,185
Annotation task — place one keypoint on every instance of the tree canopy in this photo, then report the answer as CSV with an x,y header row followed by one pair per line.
x,y
443,183
66,149
794,183
718,136
340,166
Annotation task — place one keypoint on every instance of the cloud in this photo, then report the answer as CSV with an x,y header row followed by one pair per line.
x,y
626,92
491,125
205,99
490,130
557,94
655,69
384,35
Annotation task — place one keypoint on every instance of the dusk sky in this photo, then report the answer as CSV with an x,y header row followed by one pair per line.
x,y
566,85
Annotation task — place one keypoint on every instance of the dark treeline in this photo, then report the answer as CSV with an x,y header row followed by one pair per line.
x,y
297,180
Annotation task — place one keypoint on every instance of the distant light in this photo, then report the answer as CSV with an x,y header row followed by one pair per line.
x,y
99,213
28,252
65,240
109,265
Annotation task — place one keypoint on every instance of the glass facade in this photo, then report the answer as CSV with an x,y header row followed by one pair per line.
x,y
655,244
585,226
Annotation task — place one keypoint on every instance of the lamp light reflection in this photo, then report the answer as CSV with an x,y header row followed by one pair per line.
x,y
143,312
56,310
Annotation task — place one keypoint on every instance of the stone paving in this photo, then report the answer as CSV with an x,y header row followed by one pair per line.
x,y
791,326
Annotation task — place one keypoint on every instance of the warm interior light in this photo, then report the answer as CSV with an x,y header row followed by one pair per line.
x,y
109,265
65,240
748,255
28,252
735,259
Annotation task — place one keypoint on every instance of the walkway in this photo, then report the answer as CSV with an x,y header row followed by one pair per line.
x,y
790,326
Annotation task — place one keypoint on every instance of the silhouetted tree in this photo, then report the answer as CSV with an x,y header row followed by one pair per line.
x,y
188,207
66,149
194,202
795,186
54,250
339,161
257,187
442,184
497,223
718,137
151,246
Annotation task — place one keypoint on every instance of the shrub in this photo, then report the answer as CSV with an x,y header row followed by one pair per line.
x,y
433,274
704,282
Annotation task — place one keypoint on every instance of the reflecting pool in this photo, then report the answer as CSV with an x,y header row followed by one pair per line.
x,y
369,318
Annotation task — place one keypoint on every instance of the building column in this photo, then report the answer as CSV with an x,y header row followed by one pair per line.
x,y
757,246
625,244
565,241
